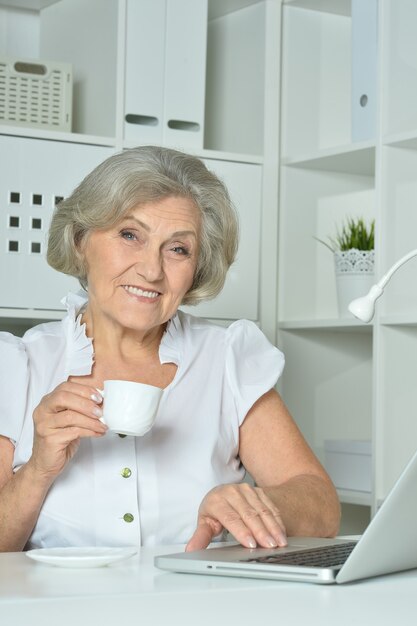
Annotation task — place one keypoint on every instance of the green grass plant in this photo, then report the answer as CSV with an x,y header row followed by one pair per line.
x,y
353,234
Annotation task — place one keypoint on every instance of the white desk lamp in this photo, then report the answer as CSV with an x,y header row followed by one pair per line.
x,y
364,308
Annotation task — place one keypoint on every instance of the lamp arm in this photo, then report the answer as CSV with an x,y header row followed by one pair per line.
x,y
387,277
364,308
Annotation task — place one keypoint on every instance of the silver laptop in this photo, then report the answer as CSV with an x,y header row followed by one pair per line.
x,y
388,545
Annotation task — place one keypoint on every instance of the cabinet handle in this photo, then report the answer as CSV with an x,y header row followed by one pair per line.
x,y
141,120
183,125
30,68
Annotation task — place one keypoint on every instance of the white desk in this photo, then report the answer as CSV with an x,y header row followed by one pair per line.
x,y
134,592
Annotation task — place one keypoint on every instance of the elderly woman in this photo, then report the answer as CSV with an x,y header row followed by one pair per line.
x,y
148,230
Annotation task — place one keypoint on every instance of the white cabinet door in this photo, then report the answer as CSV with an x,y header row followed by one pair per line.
x,y
240,296
34,174
166,43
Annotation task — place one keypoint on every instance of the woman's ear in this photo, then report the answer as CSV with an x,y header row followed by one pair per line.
x,y
80,241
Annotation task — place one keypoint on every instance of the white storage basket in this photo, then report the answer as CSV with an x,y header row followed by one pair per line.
x,y
36,94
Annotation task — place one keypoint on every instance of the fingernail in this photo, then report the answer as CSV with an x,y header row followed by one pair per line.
x,y
271,541
97,412
96,398
251,542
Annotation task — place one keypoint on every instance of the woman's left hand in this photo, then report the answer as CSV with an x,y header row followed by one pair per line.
x,y
245,511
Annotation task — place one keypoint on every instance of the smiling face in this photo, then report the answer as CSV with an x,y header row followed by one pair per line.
x,y
139,270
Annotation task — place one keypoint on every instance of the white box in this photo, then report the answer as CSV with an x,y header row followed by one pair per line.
x,y
36,94
348,463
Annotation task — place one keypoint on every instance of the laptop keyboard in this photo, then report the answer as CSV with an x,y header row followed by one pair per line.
x,y
325,556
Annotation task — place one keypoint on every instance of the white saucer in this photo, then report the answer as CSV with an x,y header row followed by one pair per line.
x,y
80,557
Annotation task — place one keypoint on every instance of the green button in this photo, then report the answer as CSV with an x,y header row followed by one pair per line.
x,y
126,472
122,436
128,517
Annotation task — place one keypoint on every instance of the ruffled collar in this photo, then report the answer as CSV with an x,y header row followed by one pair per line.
x,y
80,352
170,348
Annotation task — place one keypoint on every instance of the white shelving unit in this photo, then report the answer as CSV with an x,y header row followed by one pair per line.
x,y
358,382
201,76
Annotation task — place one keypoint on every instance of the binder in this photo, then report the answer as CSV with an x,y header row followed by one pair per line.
x,y
185,73
166,43
145,70
364,69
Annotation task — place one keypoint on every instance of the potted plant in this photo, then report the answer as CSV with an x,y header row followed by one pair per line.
x,y
353,250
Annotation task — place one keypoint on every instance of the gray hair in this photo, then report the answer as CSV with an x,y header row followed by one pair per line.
x,y
140,175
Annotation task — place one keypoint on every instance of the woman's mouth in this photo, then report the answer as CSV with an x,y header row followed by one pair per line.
x,y
136,291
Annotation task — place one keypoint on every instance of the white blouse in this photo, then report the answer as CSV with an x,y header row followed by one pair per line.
x,y
146,490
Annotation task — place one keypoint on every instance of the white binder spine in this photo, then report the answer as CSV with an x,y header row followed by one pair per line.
x,y
185,72
145,70
364,69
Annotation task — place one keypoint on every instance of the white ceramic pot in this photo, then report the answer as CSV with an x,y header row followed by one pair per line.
x,y
354,276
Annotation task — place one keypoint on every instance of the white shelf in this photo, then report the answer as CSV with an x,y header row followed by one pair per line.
x,y
348,496
32,5
350,158
338,7
219,8
230,156
342,325
406,139
35,133
17,321
219,155
399,320
31,314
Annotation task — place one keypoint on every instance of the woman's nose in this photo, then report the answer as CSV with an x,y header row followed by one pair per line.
x,y
150,265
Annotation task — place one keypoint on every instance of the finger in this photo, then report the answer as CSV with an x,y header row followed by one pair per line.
x,y
234,524
270,516
203,535
227,510
252,519
63,400
71,419
80,389
66,436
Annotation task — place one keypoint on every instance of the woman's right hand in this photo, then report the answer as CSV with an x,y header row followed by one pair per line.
x,y
62,418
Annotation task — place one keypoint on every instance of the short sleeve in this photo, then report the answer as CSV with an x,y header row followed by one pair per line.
x,y
14,382
253,365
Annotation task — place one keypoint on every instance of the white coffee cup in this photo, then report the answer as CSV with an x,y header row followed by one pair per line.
x,y
129,408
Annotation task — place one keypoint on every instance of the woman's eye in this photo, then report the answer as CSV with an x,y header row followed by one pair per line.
x,y
181,250
127,234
